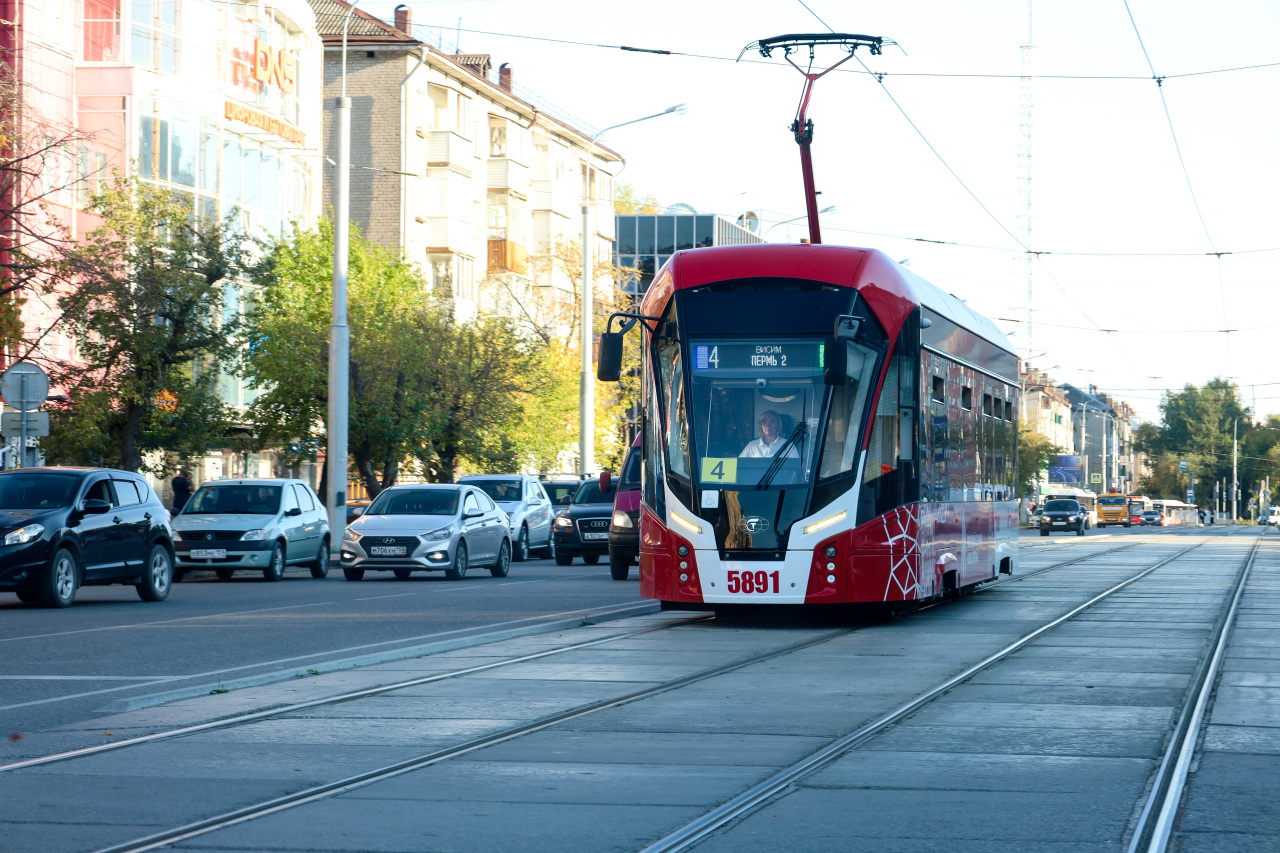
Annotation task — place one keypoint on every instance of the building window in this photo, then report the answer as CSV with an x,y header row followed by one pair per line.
x,y
497,216
439,96
541,159
155,34
102,31
464,114
497,137
441,268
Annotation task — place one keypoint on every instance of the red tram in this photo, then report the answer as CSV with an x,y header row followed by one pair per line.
x,y
820,426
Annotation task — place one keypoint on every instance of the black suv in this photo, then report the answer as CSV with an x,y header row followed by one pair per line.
x,y
582,530
1063,514
68,527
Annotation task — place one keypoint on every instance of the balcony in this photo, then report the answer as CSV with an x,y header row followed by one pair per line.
x,y
446,148
554,196
507,174
506,256
448,234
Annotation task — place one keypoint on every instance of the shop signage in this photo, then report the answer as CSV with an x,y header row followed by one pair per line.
x,y
281,128
274,67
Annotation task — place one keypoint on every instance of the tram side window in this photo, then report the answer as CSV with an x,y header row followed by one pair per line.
x,y
677,430
939,389
938,426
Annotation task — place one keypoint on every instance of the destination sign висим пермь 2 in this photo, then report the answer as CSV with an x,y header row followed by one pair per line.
x,y
757,356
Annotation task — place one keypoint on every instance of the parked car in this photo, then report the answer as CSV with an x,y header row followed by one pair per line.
x,y
64,528
522,498
428,528
1152,518
561,488
1063,514
582,528
262,525
624,529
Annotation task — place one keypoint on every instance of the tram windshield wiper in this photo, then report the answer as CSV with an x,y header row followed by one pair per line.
x,y
797,437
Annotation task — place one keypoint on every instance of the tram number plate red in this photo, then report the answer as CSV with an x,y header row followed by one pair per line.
x,y
753,582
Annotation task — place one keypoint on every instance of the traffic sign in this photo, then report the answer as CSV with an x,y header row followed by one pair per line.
x,y
37,424
1182,466
24,386
1191,495
1095,478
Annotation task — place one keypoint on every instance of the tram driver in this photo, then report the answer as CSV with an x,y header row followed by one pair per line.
x,y
770,440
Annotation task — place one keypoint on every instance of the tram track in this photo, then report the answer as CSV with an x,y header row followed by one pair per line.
x,y
349,783
346,696
754,798
1154,826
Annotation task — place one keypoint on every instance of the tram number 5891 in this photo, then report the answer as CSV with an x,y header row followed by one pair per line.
x,y
750,582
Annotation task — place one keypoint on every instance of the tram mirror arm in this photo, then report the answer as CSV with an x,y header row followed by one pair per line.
x,y
609,365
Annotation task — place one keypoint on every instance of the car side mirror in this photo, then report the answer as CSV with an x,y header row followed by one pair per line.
x,y
357,510
95,506
473,513
566,500
606,480
609,365
292,511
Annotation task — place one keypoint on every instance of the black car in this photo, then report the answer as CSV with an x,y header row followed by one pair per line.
x,y
582,529
64,528
1063,514
624,532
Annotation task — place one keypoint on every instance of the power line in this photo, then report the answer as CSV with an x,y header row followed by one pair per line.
x,y
1222,292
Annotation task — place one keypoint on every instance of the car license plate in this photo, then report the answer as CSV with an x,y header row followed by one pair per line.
x,y
208,553
1059,522
386,551
600,535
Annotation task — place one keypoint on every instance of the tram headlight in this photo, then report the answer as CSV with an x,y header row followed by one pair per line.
x,y
826,522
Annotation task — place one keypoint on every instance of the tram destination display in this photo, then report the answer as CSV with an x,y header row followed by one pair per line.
x,y
756,357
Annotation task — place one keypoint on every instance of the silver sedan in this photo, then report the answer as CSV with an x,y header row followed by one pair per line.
x,y
428,528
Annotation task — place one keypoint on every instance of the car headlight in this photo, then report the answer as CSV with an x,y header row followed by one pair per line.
x,y
350,535
563,521
254,535
23,535
437,535
621,519
1075,518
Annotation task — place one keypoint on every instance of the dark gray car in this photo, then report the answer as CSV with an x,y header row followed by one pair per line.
x,y
1063,515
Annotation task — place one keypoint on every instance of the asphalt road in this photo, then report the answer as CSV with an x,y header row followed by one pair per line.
x,y
59,667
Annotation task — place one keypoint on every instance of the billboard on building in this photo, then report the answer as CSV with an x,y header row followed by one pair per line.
x,y
1067,469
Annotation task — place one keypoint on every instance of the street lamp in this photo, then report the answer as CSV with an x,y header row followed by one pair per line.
x,y
765,235
339,331
586,380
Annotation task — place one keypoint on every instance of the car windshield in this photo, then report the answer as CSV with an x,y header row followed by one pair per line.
x,y
37,491
502,491
589,493
1151,513
1112,501
559,490
239,498
416,502
1061,506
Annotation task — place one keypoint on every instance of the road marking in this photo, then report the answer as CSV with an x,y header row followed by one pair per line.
x,y
83,677
604,611
376,597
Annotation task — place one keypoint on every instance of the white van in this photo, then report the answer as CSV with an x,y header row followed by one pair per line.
x,y
1273,516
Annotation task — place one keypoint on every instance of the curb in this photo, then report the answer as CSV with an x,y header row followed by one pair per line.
x,y
151,700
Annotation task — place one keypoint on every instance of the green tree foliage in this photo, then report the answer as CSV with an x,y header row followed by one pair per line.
x,y
625,200
146,307
398,332
1196,425
1035,454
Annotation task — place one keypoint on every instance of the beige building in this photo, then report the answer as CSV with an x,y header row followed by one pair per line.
x,y
1043,408
474,179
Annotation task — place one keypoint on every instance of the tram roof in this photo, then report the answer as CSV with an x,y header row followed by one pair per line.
x,y
846,266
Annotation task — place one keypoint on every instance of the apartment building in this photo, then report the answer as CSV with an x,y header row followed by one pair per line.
x,y
471,177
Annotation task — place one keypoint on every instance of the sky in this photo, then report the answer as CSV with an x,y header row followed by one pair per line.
x,y
1132,193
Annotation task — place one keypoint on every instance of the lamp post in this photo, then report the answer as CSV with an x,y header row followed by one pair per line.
x,y
586,381
1084,438
339,332
765,235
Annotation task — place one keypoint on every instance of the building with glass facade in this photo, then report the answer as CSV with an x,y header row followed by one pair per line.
x,y
218,100
645,241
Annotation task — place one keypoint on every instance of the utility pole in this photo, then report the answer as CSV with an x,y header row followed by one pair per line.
x,y
1235,483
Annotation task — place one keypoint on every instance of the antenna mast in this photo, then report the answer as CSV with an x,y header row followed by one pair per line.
x,y
1024,156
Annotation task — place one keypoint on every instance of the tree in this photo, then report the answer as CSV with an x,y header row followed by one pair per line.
x,y
1036,453
147,299
400,335
626,201
37,157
